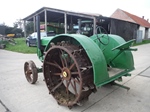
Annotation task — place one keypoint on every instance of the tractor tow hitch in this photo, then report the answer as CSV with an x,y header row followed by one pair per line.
x,y
119,85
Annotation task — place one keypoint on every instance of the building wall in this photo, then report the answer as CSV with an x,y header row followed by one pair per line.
x,y
149,33
124,29
141,28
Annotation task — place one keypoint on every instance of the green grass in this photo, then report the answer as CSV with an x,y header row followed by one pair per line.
x,y
20,46
143,42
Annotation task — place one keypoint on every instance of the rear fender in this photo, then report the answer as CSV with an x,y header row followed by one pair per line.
x,y
93,51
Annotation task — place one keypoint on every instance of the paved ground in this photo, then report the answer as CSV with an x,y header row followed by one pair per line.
x,y
17,95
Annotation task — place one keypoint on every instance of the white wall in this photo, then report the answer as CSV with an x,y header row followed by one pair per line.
x,y
149,33
143,31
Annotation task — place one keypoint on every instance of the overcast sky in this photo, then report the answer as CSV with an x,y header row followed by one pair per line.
x,y
10,10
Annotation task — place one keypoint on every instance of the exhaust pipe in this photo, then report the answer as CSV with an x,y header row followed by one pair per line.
x,y
38,32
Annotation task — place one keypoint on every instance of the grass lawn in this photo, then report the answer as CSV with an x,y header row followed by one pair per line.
x,y
20,46
143,42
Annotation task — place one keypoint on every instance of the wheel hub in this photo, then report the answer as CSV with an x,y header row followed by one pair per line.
x,y
66,73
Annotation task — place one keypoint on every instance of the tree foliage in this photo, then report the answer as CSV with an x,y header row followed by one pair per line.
x,y
17,28
29,27
13,30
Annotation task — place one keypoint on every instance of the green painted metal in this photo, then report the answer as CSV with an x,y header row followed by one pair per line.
x,y
39,70
125,46
114,52
44,42
116,77
115,57
57,29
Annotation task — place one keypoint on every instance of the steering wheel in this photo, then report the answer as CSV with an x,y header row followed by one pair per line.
x,y
99,29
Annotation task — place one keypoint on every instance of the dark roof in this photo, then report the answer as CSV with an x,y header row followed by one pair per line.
x,y
138,20
57,14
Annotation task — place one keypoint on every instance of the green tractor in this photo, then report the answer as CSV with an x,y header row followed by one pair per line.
x,y
74,65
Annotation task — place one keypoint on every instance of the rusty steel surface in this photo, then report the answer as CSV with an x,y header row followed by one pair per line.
x,y
30,72
68,74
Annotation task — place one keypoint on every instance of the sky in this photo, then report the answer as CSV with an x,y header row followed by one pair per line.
x,y
11,10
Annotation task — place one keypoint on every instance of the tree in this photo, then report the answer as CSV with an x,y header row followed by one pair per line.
x,y
8,30
13,30
29,27
15,25
18,23
2,29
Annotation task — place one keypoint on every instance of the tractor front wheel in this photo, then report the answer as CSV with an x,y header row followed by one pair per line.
x,y
31,72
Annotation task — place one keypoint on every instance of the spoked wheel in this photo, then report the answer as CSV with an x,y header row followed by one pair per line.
x,y
68,74
30,71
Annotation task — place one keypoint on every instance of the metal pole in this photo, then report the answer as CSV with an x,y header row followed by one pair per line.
x,y
24,27
34,24
94,25
65,16
45,20
71,24
79,24
38,32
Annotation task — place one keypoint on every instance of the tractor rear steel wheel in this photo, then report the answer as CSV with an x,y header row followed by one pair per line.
x,y
68,74
30,71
